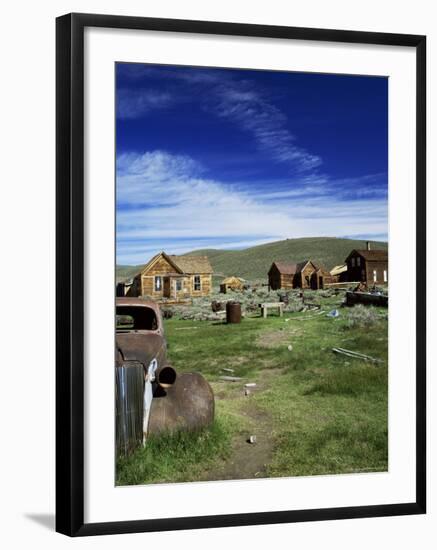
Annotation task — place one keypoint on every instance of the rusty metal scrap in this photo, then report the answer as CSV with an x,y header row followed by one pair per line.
x,y
186,405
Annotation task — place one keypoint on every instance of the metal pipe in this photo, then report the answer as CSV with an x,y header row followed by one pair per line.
x,y
165,376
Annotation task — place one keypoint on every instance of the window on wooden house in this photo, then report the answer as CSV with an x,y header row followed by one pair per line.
x,y
375,276
178,285
385,276
158,283
196,282
353,262
358,262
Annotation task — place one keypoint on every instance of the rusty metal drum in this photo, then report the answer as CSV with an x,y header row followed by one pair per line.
x,y
233,312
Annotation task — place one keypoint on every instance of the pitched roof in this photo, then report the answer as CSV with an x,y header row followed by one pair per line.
x,y
371,255
155,258
192,264
301,265
285,267
181,264
232,280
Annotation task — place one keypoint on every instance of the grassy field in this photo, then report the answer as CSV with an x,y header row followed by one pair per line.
x,y
312,411
254,263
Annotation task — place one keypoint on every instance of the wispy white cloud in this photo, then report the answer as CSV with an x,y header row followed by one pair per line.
x,y
133,103
163,201
229,98
268,124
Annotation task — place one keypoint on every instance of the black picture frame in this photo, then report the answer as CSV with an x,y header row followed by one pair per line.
x,y
70,273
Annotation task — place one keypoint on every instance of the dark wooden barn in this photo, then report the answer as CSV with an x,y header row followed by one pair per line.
x,y
368,266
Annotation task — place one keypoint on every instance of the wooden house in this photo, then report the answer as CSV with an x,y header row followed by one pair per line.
x,y
173,277
311,275
368,266
281,275
306,274
231,283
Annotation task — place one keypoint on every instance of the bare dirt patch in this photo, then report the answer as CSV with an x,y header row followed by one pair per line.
x,y
276,338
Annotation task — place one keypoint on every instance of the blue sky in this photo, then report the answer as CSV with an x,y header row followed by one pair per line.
x,y
223,158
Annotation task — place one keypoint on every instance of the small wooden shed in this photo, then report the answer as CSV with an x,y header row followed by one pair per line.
x,y
281,275
231,283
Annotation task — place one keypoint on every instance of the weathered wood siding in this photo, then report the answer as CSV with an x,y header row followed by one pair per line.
x,y
320,278
303,279
287,281
168,286
278,280
159,269
379,267
205,285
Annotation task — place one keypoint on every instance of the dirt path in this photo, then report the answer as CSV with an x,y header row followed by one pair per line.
x,y
248,460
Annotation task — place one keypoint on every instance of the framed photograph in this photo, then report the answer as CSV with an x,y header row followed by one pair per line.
x,y
240,274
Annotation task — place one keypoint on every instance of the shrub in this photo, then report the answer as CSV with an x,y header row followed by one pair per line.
x,y
361,316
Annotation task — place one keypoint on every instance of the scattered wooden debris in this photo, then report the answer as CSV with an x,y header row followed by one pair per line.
x,y
230,378
356,355
186,328
290,347
246,392
252,439
227,369
250,385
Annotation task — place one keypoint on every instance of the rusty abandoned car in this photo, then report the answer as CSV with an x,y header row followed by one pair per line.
x,y
150,396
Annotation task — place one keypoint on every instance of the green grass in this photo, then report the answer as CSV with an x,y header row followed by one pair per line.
x,y
323,413
254,263
180,456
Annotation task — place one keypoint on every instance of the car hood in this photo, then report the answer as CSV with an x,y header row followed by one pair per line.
x,y
136,346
